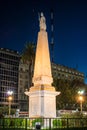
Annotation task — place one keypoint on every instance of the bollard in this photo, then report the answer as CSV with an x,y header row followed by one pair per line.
x,y
37,126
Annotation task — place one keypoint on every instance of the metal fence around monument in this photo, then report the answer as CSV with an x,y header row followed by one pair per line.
x,y
43,123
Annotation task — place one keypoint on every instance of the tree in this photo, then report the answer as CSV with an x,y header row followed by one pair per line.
x,y
64,99
5,110
80,86
28,56
69,92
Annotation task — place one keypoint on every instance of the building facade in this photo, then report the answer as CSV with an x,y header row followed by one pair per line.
x,y
23,86
66,73
9,68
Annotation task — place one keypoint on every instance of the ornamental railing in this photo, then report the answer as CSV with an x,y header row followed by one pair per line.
x,y
43,123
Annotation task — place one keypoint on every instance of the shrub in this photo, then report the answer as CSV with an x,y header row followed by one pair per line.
x,y
24,122
57,123
37,120
6,122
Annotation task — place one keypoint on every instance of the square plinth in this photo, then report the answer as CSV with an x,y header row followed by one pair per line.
x,y
42,104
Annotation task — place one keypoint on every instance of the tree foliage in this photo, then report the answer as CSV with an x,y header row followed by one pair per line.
x,y
28,53
69,93
5,110
28,57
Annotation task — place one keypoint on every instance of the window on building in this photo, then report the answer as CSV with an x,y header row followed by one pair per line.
x,y
21,82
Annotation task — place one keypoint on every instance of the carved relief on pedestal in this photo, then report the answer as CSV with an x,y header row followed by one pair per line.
x,y
42,80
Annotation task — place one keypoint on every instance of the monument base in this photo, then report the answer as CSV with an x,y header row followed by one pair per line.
x,y
42,103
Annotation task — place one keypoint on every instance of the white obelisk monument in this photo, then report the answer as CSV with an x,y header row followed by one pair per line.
x,y
42,96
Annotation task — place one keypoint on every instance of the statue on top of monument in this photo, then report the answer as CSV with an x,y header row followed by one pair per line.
x,y
42,21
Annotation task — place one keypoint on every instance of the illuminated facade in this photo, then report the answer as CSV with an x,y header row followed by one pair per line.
x,y
66,73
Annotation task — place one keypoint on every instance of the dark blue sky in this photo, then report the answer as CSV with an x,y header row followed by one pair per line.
x,y
19,24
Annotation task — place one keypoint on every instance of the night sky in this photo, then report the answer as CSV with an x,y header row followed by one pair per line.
x,y
19,24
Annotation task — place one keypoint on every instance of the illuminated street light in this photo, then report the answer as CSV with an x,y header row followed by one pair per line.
x,y
81,92
81,100
10,99
10,92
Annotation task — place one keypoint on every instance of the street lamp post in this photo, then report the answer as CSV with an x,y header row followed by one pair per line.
x,y
10,99
81,100
81,92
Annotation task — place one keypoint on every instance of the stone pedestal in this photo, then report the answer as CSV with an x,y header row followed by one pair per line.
x,y
42,103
